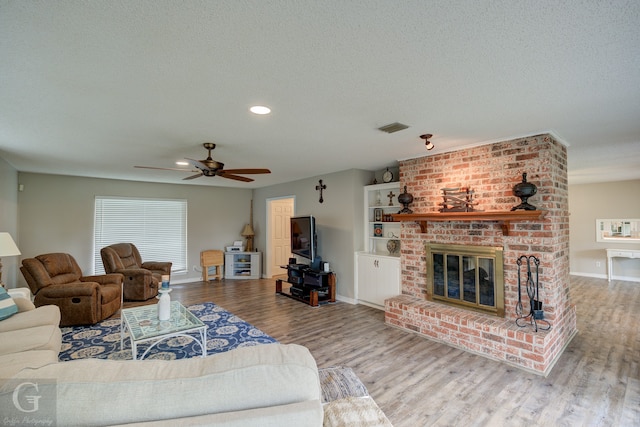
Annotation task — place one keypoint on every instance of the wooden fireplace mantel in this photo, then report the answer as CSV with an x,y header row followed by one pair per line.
x,y
504,218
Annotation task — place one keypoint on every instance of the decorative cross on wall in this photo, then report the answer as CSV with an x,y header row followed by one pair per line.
x,y
319,188
391,196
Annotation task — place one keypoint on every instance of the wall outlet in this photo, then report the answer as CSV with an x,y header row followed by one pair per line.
x,y
598,263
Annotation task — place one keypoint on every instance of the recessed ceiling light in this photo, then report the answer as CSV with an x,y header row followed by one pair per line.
x,y
260,109
181,163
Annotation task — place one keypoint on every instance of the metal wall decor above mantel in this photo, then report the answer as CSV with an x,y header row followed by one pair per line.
x,y
504,218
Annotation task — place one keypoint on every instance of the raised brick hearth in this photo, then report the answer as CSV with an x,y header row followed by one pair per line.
x,y
491,171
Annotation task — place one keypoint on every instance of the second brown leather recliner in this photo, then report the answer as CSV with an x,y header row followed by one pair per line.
x,y
141,279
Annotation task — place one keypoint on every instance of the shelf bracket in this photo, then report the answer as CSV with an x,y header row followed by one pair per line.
x,y
423,226
505,227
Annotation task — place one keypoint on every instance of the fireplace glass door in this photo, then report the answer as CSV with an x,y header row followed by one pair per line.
x,y
469,276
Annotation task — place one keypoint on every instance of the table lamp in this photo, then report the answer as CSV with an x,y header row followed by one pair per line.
x,y
7,248
247,232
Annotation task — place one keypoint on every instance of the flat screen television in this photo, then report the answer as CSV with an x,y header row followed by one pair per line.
x,y
304,241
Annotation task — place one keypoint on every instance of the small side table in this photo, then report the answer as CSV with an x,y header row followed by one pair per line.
x,y
619,253
242,265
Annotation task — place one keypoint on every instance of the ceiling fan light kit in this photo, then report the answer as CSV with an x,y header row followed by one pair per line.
x,y
210,167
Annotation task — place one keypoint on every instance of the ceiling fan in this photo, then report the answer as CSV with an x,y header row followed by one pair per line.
x,y
210,167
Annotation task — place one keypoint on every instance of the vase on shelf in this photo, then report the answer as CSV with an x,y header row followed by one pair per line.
x,y
524,190
405,199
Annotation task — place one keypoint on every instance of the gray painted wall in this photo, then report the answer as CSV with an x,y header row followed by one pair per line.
x,y
589,202
9,218
338,218
56,215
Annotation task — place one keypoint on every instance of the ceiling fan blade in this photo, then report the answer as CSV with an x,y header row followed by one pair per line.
x,y
198,164
164,169
247,171
198,175
224,174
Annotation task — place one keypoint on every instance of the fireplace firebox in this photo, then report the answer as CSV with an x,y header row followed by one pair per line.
x,y
466,276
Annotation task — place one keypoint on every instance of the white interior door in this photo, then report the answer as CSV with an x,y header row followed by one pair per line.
x,y
280,213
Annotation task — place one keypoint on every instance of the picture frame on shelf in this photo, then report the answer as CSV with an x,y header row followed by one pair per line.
x,y
378,231
377,214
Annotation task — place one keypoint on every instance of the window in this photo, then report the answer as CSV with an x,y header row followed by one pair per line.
x,y
618,230
157,227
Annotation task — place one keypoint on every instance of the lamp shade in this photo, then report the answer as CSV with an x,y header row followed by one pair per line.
x,y
247,231
7,245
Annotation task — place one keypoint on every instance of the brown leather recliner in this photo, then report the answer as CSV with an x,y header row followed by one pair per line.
x,y
140,278
57,279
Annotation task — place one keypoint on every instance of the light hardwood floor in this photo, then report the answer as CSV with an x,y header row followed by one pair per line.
x,y
418,382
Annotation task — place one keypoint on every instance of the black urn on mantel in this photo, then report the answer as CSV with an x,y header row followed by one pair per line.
x,y
405,199
524,190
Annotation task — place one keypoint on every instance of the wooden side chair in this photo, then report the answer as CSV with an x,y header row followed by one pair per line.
x,y
212,258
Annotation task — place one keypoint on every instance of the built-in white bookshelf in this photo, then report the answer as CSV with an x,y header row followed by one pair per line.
x,y
382,234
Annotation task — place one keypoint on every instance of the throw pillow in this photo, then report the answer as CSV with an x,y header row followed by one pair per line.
x,y
7,306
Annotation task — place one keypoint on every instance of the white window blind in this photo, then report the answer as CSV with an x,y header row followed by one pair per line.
x,y
158,228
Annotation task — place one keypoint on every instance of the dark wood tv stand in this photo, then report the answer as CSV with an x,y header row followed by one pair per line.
x,y
314,298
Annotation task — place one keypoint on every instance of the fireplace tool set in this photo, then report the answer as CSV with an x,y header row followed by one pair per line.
x,y
536,314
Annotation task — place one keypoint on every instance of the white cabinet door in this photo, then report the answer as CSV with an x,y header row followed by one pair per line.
x,y
388,283
366,278
228,265
378,278
255,265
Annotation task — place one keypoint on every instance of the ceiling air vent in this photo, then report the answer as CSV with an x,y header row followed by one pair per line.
x,y
393,127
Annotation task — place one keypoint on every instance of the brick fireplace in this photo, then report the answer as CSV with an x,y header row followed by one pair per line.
x,y
491,171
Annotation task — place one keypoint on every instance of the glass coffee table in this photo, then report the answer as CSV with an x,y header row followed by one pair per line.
x,y
144,327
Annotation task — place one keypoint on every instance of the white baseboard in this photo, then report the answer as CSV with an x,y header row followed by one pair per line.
x,y
604,276
368,304
626,278
188,280
346,299
596,275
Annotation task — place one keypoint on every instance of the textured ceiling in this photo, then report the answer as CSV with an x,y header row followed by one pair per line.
x,y
94,88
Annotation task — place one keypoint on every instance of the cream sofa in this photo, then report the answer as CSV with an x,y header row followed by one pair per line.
x,y
265,385
30,338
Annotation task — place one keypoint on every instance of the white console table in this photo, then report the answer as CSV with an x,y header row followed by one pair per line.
x,y
619,253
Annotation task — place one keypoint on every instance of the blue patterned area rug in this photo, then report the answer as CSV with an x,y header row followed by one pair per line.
x,y
225,332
